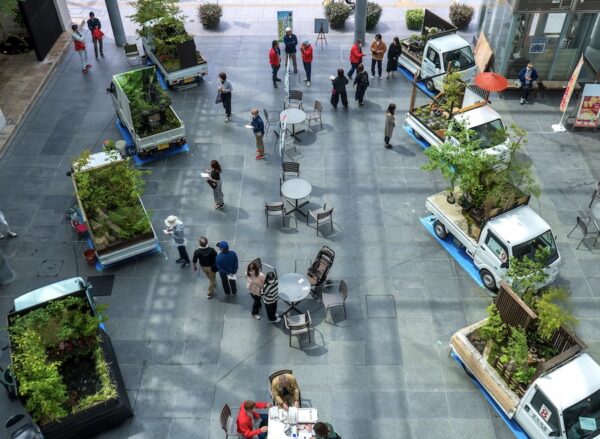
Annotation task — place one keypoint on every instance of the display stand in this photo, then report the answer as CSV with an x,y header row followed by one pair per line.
x,y
321,28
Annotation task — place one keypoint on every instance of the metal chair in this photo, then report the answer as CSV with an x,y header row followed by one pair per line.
x,y
332,300
290,169
583,226
595,195
298,325
228,424
294,98
316,114
321,216
276,208
268,116
132,54
260,264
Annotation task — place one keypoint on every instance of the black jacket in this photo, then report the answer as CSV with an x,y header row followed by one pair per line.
x,y
206,256
93,22
339,83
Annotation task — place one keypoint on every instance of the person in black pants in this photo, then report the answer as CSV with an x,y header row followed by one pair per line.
x,y
339,90
227,264
225,88
361,82
175,229
94,23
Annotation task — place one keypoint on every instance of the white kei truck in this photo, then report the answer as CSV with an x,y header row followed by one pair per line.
x,y
180,78
563,399
432,55
517,231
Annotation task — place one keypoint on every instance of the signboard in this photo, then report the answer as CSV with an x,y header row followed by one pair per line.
x,y
321,25
564,103
545,412
588,115
483,53
284,19
538,45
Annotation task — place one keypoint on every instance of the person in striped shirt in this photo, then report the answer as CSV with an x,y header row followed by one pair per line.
x,y
270,295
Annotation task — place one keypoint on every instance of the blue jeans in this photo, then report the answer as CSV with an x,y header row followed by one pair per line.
x,y
264,420
352,69
307,68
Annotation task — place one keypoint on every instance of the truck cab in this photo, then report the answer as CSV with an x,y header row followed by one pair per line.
x,y
447,50
518,233
565,403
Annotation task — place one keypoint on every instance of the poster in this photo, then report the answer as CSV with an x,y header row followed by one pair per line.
x,y
589,109
284,19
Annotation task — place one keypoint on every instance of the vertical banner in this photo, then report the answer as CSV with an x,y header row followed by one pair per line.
x,y
588,115
284,19
564,103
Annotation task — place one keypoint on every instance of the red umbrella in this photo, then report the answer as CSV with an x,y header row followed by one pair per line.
x,y
491,81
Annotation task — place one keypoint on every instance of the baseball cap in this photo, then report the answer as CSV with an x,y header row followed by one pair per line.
x,y
223,244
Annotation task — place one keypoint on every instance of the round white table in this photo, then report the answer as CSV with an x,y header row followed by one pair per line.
x,y
293,289
296,189
595,214
293,116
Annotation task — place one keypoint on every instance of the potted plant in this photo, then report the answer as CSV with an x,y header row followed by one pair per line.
x,y
461,15
337,14
210,15
373,15
414,19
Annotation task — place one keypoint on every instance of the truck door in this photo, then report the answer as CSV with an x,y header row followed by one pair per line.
x,y
431,63
538,416
492,254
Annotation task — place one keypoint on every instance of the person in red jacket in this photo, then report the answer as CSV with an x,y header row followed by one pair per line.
x,y
248,416
275,61
307,57
356,56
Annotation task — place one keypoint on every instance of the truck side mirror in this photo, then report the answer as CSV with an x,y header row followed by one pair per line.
x,y
504,265
554,433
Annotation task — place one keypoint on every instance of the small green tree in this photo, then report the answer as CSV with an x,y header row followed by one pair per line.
x,y
519,172
517,351
526,275
494,329
552,312
146,10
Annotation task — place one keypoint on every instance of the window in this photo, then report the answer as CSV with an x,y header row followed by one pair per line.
x,y
433,57
529,249
490,134
545,410
580,419
460,59
496,247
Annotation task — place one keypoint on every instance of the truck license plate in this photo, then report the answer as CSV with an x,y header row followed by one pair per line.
x,y
163,146
188,80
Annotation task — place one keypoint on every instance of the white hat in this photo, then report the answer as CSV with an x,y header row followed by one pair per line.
x,y
172,220
288,29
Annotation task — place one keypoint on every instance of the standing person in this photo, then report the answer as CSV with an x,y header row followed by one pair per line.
x,y
5,228
378,49
285,391
79,45
356,56
256,280
214,181
307,56
227,264
324,430
225,88
270,296
94,26
361,82
339,89
258,127
175,229
275,61
527,75
250,424
290,41
393,54
390,123
207,257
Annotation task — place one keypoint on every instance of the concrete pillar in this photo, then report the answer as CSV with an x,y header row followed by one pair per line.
x,y
360,20
2,120
112,6
64,16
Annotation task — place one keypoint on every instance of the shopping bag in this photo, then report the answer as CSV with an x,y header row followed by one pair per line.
x,y
79,45
97,34
219,98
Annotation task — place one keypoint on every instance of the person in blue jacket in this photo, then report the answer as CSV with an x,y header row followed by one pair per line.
x,y
527,75
290,41
227,264
258,127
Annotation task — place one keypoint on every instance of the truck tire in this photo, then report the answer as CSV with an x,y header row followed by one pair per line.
x,y
488,280
430,85
440,230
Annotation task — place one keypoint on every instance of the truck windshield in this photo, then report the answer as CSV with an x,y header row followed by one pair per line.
x,y
528,249
460,59
490,134
582,420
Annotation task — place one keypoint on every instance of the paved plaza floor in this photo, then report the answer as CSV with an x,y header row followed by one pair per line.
x,y
382,372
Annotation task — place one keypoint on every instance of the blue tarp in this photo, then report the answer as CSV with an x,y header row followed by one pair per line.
x,y
459,255
420,84
411,133
139,161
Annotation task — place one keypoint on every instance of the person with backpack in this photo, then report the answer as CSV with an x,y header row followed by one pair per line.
x,y
361,82
270,296
94,26
79,46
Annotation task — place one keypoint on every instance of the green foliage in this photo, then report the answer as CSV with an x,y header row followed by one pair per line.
x,y
461,15
414,19
210,15
494,329
454,91
107,389
164,37
337,14
516,350
526,275
147,10
519,172
552,312
373,15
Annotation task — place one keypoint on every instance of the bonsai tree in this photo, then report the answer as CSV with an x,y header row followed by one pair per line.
x,y
454,91
337,14
414,18
373,15
551,308
147,10
210,15
525,275
461,15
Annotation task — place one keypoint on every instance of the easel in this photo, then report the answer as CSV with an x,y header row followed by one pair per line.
x,y
321,37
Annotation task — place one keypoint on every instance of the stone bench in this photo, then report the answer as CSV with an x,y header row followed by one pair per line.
x,y
541,87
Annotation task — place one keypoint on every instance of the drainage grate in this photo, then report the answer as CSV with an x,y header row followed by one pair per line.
x,y
50,268
381,306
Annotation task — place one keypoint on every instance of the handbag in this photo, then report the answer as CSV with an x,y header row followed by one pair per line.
x,y
212,183
79,45
219,98
97,34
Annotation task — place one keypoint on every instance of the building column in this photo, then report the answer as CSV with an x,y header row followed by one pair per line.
x,y
112,6
360,20
62,10
510,40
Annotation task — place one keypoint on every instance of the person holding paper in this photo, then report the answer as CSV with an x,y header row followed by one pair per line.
x,y
227,264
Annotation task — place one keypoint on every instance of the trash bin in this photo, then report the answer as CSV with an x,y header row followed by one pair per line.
x,y
6,274
121,145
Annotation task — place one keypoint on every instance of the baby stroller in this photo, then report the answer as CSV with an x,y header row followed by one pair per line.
x,y
319,269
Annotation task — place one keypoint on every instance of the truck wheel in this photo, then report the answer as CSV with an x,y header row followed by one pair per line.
x,y
440,230
488,280
430,85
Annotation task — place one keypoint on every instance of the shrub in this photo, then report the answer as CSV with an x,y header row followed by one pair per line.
x,y
461,15
414,18
373,15
337,14
210,15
